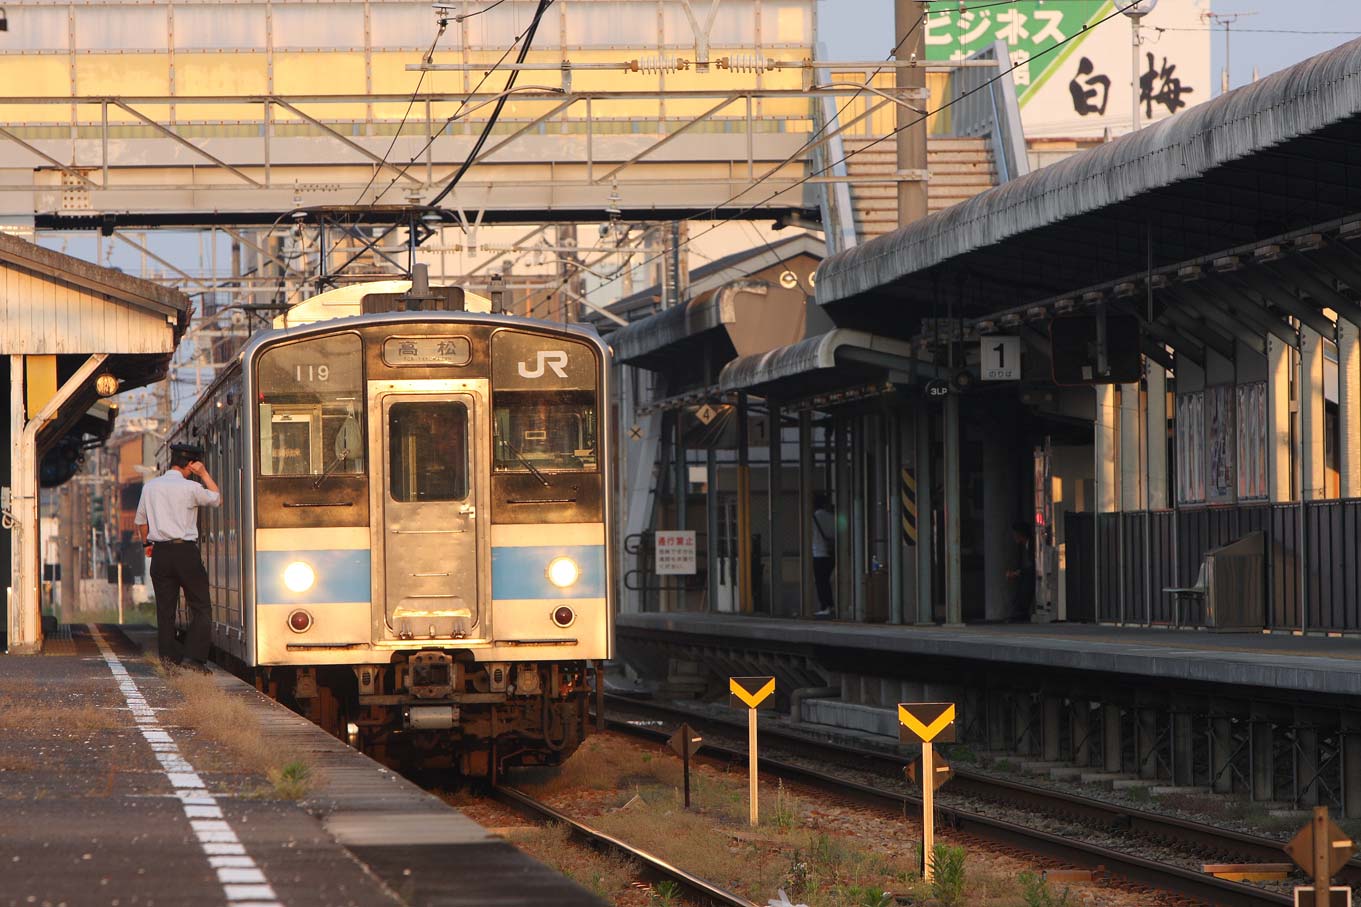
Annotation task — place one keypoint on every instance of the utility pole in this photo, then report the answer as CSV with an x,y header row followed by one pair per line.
x,y
909,17
1226,20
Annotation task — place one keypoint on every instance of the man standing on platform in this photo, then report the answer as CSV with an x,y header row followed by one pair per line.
x,y
167,522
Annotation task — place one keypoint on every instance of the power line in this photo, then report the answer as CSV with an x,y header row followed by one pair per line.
x,y
453,116
892,55
814,173
485,9
429,54
496,113
1262,31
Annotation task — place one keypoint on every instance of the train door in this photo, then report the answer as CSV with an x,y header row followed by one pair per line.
x,y
430,493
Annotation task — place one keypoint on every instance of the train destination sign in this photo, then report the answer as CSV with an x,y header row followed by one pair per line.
x,y
427,351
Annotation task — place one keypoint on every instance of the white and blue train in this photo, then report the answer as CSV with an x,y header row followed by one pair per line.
x,y
413,547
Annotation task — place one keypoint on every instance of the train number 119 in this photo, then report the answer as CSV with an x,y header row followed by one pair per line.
x,y
313,373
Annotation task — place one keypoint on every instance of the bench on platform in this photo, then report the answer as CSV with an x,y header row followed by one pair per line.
x,y
1231,586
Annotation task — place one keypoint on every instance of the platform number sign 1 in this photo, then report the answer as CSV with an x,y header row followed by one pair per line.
x,y
752,693
927,723
999,358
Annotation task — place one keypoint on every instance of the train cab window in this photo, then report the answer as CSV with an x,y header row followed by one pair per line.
x,y
428,451
312,407
553,432
544,404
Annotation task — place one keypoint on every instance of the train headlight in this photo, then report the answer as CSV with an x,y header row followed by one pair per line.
x,y
563,572
299,577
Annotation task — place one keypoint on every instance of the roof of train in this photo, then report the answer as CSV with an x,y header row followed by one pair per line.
x,y
345,301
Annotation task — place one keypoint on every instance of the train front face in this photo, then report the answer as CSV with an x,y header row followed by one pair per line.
x,y
430,552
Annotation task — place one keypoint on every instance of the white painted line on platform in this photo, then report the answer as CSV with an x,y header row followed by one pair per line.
x,y
243,883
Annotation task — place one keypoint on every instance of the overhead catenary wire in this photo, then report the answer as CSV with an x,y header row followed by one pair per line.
x,y
496,112
892,55
477,12
443,25
435,133
1118,10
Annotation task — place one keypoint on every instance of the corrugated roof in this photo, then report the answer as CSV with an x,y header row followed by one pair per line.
x,y
716,273
1271,155
76,271
796,363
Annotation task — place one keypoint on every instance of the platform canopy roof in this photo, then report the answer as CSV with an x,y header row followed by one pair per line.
x,y
56,304
1278,155
823,361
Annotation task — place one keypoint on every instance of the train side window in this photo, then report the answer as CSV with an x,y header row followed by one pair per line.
x,y
428,451
311,407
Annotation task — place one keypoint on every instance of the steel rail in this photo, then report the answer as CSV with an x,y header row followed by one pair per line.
x,y
1070,805
1163,876
653,866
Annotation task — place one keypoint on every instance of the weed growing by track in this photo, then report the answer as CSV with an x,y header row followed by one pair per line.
x,y
227,720
819,853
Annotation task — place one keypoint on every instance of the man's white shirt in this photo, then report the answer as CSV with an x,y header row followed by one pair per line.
x,y
169,507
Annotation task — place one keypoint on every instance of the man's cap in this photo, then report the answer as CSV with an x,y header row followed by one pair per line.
x,y
192,451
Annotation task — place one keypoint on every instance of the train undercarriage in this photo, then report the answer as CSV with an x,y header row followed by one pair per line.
x,y
441,709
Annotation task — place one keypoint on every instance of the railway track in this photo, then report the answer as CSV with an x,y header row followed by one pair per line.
x,y
654,868
1216,844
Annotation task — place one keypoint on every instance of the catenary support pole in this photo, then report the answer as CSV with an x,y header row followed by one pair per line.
x,y
954,605
910,126
807,596
926,536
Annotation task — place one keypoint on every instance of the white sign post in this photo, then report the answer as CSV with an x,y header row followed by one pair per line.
x,y
675,552
999,358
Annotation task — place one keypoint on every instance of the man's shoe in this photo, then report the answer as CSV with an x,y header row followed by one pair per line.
x,y
822,615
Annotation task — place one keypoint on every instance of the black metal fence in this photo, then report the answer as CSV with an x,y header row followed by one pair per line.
x,y
1121,572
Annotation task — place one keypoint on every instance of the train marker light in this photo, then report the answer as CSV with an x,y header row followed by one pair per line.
x,y
299,577
299,621
563,572
564,616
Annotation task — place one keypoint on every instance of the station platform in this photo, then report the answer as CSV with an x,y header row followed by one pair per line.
x,y
1319,665
107,798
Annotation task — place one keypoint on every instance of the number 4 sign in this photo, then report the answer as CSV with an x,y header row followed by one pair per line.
x,y
1000,358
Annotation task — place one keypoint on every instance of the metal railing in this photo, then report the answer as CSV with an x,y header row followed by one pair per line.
x,y
1311,576
983,103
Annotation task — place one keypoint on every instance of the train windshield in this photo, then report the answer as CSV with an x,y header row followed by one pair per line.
x,y
548,432
312,408
428,451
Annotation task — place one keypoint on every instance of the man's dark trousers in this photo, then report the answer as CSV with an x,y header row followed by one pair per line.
x,y
176,566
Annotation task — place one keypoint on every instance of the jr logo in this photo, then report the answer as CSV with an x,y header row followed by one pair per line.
x,y
553,359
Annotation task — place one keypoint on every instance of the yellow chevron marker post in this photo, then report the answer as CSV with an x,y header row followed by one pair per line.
x,y
926,723
752,693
